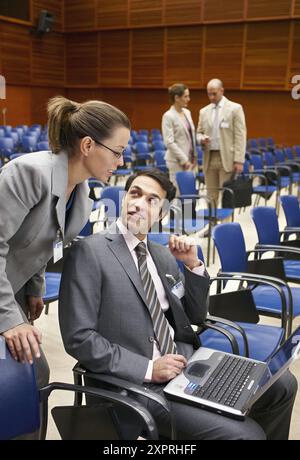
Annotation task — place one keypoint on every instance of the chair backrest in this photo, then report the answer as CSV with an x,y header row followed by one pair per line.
x,y
186,183
112,199
266,223
159,157
158,145
279,156
19,399
43,145
269,159
230,244
142,147
291,210
257,162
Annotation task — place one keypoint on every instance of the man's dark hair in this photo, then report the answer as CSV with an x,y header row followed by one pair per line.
x,y
157,175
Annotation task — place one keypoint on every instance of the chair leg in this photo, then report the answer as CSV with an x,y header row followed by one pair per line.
x,y
77,396
44,420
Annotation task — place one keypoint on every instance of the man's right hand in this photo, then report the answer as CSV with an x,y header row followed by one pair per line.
x,y
187,166
23,342
167,367
205,139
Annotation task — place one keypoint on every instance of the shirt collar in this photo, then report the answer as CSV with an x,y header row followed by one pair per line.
x,y
220,105
131,240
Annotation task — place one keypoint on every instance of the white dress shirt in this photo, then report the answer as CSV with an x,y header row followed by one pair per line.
x,y
132,241
215,140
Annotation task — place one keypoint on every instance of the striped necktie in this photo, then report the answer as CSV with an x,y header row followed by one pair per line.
x,y
160,323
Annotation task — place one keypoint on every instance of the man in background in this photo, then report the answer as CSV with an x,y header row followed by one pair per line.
x,y
222,132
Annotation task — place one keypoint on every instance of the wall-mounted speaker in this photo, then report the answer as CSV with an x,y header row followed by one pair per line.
x,y
45,22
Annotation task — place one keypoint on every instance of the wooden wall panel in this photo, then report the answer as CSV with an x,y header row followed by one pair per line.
x,y
223,10
268,8
148,57
114,58
48,60
39,100
17,104
179,12
223,54
54,6
112,13
16,47
81,59
145,12
297,8
184,53
295,58
79,15
266,57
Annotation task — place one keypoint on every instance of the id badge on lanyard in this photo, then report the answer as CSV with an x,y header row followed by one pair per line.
x,y
58,247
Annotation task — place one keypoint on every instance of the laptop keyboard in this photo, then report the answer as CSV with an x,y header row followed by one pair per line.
x,y
227,382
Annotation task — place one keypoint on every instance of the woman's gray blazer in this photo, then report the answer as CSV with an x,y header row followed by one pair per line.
x,y
32,211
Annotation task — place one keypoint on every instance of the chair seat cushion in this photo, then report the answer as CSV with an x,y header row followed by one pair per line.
x,y
292,269
268,300
262,340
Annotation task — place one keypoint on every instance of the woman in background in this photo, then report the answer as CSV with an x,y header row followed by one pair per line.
x,y
179,132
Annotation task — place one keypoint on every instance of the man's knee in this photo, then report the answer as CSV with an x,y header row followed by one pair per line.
x,y
249,430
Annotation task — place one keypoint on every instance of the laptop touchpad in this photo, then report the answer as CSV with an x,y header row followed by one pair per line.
x,y
197,369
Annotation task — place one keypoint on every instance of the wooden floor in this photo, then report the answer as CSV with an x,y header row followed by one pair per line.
x,y
61,364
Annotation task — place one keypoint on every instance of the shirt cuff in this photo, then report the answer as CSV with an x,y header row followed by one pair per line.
x,y
199,271
148,376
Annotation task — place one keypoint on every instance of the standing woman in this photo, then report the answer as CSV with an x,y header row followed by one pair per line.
x,y
44,204
179,132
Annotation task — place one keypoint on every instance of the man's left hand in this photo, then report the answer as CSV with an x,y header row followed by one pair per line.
x,y
238,167
35,307
184,249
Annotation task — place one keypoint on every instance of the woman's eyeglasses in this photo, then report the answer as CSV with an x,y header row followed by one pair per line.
x,y
117,154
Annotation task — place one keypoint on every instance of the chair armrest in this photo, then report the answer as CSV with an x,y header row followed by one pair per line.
x,y
290,230
138,390
45,392
278,284
233,342
280,249
234,326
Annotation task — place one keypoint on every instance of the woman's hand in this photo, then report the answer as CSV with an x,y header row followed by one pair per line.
x,y
35,307
23,342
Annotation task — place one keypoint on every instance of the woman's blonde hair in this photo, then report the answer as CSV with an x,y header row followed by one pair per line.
x,y
69,121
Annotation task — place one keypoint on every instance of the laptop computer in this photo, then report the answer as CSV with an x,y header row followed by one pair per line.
x,y
229,384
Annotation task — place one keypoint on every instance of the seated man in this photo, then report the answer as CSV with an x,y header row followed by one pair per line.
x,y
120,314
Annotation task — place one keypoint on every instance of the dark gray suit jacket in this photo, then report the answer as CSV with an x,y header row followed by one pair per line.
x,y
104,319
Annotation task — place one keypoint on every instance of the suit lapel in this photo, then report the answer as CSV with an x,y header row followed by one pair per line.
x,y
81,210
210,114
181,121
223,110
59,186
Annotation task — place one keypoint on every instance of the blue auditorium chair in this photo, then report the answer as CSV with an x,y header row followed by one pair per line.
x,y
230,243
24,408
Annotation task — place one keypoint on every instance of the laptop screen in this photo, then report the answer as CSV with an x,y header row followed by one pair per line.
x,y
285,353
